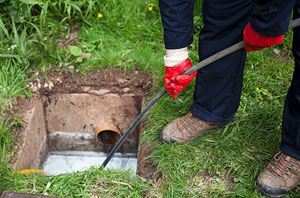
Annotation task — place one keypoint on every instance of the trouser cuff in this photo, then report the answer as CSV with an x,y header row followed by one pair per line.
x,y
290,151
203,114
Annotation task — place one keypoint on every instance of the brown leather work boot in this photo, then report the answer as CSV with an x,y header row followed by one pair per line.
x,y
280,177
187,128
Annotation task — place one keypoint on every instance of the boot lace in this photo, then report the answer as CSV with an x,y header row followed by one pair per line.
x,y
190,124
283,167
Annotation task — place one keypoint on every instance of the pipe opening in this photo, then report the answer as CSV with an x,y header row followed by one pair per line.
x,y
107,133
108,137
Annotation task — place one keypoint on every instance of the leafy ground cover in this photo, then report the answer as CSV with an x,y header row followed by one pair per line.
x,y
128,35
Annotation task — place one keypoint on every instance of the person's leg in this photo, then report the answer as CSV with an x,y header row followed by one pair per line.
x,y
219,85
290,143
283,174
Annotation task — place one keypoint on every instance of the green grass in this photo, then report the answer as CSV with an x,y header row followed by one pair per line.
x,y
12,83
128,36
242,149
95,182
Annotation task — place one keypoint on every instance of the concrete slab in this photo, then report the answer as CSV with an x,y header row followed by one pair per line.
x,y
33,146
59,162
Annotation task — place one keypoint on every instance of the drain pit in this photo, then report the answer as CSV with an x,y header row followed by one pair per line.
x,y
99,121
75,124
58,162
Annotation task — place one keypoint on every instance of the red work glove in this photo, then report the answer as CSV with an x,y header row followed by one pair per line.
x,y
255,41
174,81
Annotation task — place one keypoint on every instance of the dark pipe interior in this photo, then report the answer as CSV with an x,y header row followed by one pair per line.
x,y
108,137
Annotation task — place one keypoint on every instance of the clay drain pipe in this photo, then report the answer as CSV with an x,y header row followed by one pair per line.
x,y
200,65
107,133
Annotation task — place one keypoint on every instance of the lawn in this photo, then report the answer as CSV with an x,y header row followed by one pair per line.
x,y
118,34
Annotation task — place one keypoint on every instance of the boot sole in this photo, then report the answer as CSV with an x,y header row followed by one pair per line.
x,y
210,130
261,190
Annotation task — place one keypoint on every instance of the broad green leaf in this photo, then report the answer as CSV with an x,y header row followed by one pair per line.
x,y
79,59
74,50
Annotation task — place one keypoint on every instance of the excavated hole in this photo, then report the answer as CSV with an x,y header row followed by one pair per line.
x,y
59,133
70,121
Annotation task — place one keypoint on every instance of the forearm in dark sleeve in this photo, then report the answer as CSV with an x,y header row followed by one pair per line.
x,y
177,20
271,17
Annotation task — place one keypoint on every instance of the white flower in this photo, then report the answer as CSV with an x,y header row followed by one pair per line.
x,y
13,47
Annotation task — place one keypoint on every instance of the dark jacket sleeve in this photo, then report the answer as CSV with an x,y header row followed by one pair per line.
x,y
271,17
177,21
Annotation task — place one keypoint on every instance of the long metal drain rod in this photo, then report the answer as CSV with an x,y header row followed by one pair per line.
x,y
200,65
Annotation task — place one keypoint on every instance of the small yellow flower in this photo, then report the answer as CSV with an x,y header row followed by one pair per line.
x,y
150,8
99,15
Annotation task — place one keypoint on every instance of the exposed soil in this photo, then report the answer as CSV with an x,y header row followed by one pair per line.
x,y
119,82
146,167
71,40
81,113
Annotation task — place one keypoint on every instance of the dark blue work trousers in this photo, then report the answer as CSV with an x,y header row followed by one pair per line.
x,y
290,143
218,86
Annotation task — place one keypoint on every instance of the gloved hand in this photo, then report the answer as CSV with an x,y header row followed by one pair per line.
x,y
174,81
255,41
